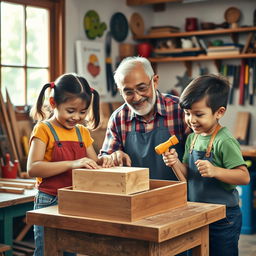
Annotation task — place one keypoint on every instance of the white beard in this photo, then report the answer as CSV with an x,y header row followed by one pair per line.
x,y
149,105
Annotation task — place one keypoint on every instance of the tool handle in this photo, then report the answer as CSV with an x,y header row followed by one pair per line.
x,y
178,174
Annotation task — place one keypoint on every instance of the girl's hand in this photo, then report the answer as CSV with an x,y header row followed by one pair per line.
x,y
106,161
205,168
85,163
170,157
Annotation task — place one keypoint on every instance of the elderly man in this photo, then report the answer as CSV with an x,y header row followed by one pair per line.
x,y
146,119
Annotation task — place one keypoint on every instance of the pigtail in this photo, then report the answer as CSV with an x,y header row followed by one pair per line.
x,y
95,108
41,111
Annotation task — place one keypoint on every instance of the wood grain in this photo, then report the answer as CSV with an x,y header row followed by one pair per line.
x,y
157,228
14,126
9,130
163,197
117,180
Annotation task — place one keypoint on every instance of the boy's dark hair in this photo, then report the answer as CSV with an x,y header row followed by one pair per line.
x,y
68,87
214,88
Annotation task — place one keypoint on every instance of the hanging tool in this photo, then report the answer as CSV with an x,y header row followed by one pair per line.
x,y
111,86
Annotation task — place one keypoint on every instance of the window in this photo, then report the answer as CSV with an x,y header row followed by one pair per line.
x,y
31,47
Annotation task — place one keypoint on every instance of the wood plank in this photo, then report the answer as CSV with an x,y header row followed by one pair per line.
x,y
26,244
203,248
196,33
22,249
9,130
5,247
50,239
27,181
202,58
7,199
23,232
15,253
157,228
17,184
14,126
121,207
11,190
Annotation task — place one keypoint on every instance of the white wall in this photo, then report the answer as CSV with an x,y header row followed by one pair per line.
x,y
175,14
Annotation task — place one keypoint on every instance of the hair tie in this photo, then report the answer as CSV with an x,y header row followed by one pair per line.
x,y
52,85
91,89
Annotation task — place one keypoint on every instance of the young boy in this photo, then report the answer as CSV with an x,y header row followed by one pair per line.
x,y
212,162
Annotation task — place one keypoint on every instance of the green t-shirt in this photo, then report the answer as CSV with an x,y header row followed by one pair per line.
x,y
226,149
226,154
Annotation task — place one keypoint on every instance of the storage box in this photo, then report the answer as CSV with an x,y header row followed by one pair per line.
x,y
117,180
247,195
163,196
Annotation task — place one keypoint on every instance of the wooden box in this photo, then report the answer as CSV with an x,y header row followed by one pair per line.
x,y
117,180
163,196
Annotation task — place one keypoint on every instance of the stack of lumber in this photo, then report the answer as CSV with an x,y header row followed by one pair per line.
x,y
16,186
11,138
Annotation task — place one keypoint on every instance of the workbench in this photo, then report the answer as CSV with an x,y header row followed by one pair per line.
x,y
168,233
11,206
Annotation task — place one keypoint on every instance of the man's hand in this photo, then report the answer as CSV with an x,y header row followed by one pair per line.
x,y
105,161
121,159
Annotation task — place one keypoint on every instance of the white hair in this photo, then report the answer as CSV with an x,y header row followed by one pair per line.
x,y
128,64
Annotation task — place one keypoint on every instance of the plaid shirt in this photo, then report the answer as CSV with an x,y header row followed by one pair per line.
x,y
120,122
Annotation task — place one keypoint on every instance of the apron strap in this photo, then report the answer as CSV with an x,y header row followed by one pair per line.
x,y
79,137
56,138
193,143
209,148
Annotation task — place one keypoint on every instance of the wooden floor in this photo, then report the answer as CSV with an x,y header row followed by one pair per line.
x,y
247,245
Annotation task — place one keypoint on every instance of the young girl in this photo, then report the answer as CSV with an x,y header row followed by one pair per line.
x,y
212,162
59,142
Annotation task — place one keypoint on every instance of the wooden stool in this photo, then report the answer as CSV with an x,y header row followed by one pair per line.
x,y
4,248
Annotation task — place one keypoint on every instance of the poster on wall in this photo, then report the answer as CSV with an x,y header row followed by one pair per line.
x,y
90,58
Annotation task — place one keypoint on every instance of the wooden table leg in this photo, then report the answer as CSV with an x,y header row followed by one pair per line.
x,y
203,248
50,242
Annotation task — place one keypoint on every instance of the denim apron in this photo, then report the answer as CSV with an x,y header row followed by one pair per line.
x,y
224,234
141,149
62,151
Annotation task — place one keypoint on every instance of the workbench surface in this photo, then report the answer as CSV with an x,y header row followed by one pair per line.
x,y
176,230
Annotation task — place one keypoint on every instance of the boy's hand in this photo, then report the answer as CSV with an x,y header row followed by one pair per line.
x,y
170,157
106,161
205,168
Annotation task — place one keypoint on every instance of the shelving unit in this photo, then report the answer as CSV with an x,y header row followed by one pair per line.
x,y
202,58
233,32
196,33
145,2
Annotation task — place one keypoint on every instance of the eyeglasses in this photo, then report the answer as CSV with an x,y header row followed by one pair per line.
x,y
141,89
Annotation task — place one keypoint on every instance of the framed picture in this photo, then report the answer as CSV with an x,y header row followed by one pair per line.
x,y
91,64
